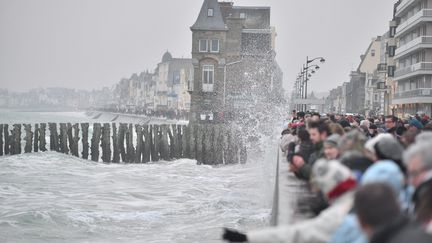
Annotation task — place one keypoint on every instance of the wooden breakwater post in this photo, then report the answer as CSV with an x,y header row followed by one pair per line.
x,y
179,140
36,138
63,139
199,144
210,144
154,130
42,139
172,134
122,133
1,139
106,144
75,140
85,143
54,139
28,138
95,142
218,145
164,146
130,150
6,139
185,142
15,147
147,144
116,149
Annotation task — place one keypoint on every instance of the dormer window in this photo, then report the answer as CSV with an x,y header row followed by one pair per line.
x,y
210,12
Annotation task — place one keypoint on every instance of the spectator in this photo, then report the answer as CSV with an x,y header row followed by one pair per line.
x,y
318,131
380,217
391,124
331,149
337,183
385,172
357,162
336,128
373,130
418,159
353,140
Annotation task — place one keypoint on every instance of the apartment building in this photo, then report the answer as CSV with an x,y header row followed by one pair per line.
x,y
413,57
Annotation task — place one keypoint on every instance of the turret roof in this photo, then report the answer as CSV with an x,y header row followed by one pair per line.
x,y
205,22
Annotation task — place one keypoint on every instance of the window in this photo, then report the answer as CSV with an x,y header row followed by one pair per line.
x,y
373,53
428,82
242,15
376,98
391,71
208,78
203,45
214,45
210,12
391,51
392,31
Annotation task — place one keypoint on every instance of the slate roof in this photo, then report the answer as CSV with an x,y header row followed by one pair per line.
x,y
205,22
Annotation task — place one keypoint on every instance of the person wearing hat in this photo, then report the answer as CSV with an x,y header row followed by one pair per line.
x,y
414,124
386,172
337,183
331,150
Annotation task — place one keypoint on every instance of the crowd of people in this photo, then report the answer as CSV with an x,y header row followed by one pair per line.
x,y
371,178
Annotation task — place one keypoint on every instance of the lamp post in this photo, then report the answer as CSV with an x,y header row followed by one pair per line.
x,y
306,68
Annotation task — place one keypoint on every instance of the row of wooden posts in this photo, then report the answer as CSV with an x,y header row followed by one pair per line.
x,y
208,144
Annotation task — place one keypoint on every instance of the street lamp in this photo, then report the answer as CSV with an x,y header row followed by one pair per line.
x,y
321,59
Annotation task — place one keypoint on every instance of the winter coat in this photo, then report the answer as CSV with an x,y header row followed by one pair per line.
x,y
315,230
400,231
318,153
306,149
286,140
349,231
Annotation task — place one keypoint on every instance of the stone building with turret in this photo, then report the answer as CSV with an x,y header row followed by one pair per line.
x,y
234,61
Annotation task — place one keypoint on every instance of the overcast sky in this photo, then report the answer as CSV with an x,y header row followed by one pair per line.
x,y
94,43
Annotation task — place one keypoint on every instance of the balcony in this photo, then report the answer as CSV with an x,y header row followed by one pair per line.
x,y
421,16
413,96
413,70
418,43
405,4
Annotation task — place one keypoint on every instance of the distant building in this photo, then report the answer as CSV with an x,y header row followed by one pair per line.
x,y
375,67
165,89
413,75
234,61
173,77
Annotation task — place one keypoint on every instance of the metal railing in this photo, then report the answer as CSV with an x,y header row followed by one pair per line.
x,y
425,66
415,17
275,207
414,93
413,43
403,6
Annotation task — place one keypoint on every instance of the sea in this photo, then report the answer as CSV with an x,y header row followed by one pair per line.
x,y
52,197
